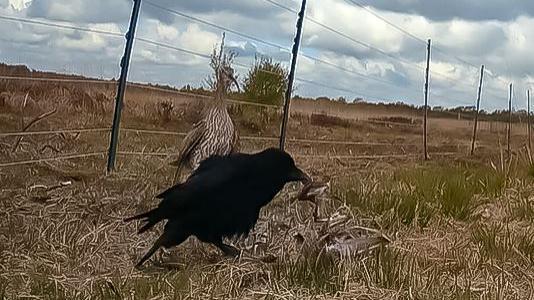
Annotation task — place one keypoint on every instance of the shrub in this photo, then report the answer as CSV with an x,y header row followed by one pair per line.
x,y
266,82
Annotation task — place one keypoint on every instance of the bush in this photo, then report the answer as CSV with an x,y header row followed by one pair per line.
x,y
164,110
325,120
266,82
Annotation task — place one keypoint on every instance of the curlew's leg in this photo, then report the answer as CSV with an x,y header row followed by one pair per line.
x,y
227,249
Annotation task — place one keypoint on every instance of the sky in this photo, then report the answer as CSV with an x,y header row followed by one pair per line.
x,y
370,49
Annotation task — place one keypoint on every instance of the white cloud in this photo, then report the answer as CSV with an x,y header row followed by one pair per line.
x,y
197,39
81,11
166,32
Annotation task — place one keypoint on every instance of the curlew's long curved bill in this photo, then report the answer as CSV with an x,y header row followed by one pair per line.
x,y
235,82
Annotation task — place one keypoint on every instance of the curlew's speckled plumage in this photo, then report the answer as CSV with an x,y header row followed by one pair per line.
x,y
215,133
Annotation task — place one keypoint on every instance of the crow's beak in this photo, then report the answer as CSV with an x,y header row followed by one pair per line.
x,y
299,175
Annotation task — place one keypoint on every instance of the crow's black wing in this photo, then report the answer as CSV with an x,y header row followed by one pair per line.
x,y
214,176
214,164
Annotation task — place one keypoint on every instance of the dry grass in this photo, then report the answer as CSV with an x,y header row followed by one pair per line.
x,y
460,227
70,243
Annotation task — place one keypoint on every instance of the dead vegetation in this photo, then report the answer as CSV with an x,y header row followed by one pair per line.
x,y
390,228
63,238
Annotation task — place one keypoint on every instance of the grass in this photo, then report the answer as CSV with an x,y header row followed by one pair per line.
x,y
498,242
415,196
75,246
318,273
530,170
494,240
525,245
522,208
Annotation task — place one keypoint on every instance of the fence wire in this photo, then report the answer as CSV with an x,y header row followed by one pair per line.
x,y
456,83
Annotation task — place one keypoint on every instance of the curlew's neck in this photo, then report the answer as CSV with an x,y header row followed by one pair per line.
x,y
220,93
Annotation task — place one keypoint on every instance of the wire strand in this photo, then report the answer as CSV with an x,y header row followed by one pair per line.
x,y
264,138
327,156
138,85
49,132
50,24
368,46
40,160
436,47
262,41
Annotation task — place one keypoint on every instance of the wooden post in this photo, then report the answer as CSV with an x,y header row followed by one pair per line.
x,y
509,131
291,78
125,63
528,122
425,121
477,111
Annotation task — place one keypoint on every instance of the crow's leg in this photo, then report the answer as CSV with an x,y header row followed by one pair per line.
x,y
227,249
168,239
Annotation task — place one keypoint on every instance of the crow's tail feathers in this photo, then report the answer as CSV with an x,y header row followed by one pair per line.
x,y
137,217
151,217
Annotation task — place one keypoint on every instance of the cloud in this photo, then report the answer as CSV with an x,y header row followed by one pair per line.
x,y
255,9
246,49
192,37
439,10
198,40
81,11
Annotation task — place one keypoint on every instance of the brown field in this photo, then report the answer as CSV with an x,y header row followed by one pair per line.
x,y
460,226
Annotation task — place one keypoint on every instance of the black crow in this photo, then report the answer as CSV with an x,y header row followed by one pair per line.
x,y
221,198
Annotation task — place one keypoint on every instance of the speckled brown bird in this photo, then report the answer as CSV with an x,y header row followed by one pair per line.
x,y
215,133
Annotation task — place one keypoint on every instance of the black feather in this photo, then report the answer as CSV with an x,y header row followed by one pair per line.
x,y
222,197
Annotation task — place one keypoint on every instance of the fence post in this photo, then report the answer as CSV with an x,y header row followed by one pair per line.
x,y
426,100
528,122
125,63
477,112
291,78
509,131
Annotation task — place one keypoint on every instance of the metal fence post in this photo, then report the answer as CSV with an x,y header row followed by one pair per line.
x,y
509,129
125,63
528,122
478,110
291,78
425,146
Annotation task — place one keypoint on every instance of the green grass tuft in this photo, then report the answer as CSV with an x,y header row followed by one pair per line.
x,y
319,273
530,170
416,195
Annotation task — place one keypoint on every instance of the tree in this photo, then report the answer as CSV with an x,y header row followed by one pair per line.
x,y
266,81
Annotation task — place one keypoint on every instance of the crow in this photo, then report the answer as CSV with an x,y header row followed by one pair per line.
x,y
221,198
